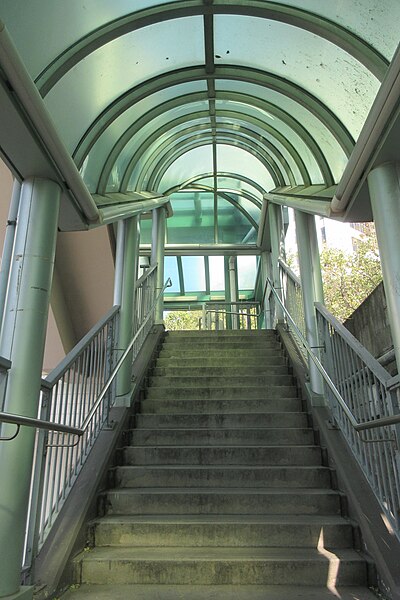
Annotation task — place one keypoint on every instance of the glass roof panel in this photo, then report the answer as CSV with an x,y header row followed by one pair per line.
x,y
247,269
171,270
236,160
117,128
217,273
193,219
376,21
119,66
194,273
316,65
329,145
276,144
195,162
293,138
67,26
233,226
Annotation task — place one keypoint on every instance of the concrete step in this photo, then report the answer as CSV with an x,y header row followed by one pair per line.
x,y
220,392
215,592
230,380
292,531
211,566
230,333
222,455
221,371
221,437
222,421
222,476
234,360
233,350
216,501
230,405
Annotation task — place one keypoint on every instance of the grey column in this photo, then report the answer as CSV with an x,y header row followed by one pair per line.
x,y
276,225
384,188
157,257
311,285
22,340
126,268
233,287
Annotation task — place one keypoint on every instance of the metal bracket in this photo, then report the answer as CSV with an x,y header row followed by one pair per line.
x,y
8,439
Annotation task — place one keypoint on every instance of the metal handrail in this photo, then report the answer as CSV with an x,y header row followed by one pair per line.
x,y
105,389
145,275
48,425
380,422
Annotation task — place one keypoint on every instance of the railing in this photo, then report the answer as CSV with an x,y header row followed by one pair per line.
x,y
293,300
69,395
79,393
372,397
364,401
230,315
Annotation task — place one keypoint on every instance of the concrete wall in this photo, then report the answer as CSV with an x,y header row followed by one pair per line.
x,y
370,324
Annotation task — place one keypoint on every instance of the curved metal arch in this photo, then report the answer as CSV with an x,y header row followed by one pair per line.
x,y
155,164
226,174
278,156
155,180
316,24
312,145
242,193
264,79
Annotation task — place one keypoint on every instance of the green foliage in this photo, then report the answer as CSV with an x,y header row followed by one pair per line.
x,y
350,278
182,319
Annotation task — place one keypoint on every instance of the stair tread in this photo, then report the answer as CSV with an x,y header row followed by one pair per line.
x,y
246,519
248,491
214,592
210,553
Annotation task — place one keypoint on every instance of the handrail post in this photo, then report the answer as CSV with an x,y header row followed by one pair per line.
x,y
312,290
275,225
23,339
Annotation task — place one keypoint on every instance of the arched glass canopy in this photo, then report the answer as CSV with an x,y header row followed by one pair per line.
x,y
211,103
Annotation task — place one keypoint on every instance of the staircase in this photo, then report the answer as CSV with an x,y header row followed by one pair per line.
x,y
222,492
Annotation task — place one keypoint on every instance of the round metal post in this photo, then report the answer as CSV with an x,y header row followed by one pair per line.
x,y
127,261
276,225
8,245
233,290
119,262
311,284
22,340
157,257
384,189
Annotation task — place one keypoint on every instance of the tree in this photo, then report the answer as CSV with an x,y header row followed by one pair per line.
x,y
182,319
349,278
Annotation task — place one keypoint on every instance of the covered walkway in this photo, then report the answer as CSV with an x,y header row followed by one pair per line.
x,y
155,147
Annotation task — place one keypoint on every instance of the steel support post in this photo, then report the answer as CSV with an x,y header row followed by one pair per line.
x,y
228,316
8,245
276,227
22,340
384,189
311,285
157,257
265,272
126,269
233,286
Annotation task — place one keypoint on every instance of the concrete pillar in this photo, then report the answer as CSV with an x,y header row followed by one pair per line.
x,y
233,287
126,268
157,257
276,227
384,188
22,341
311,284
